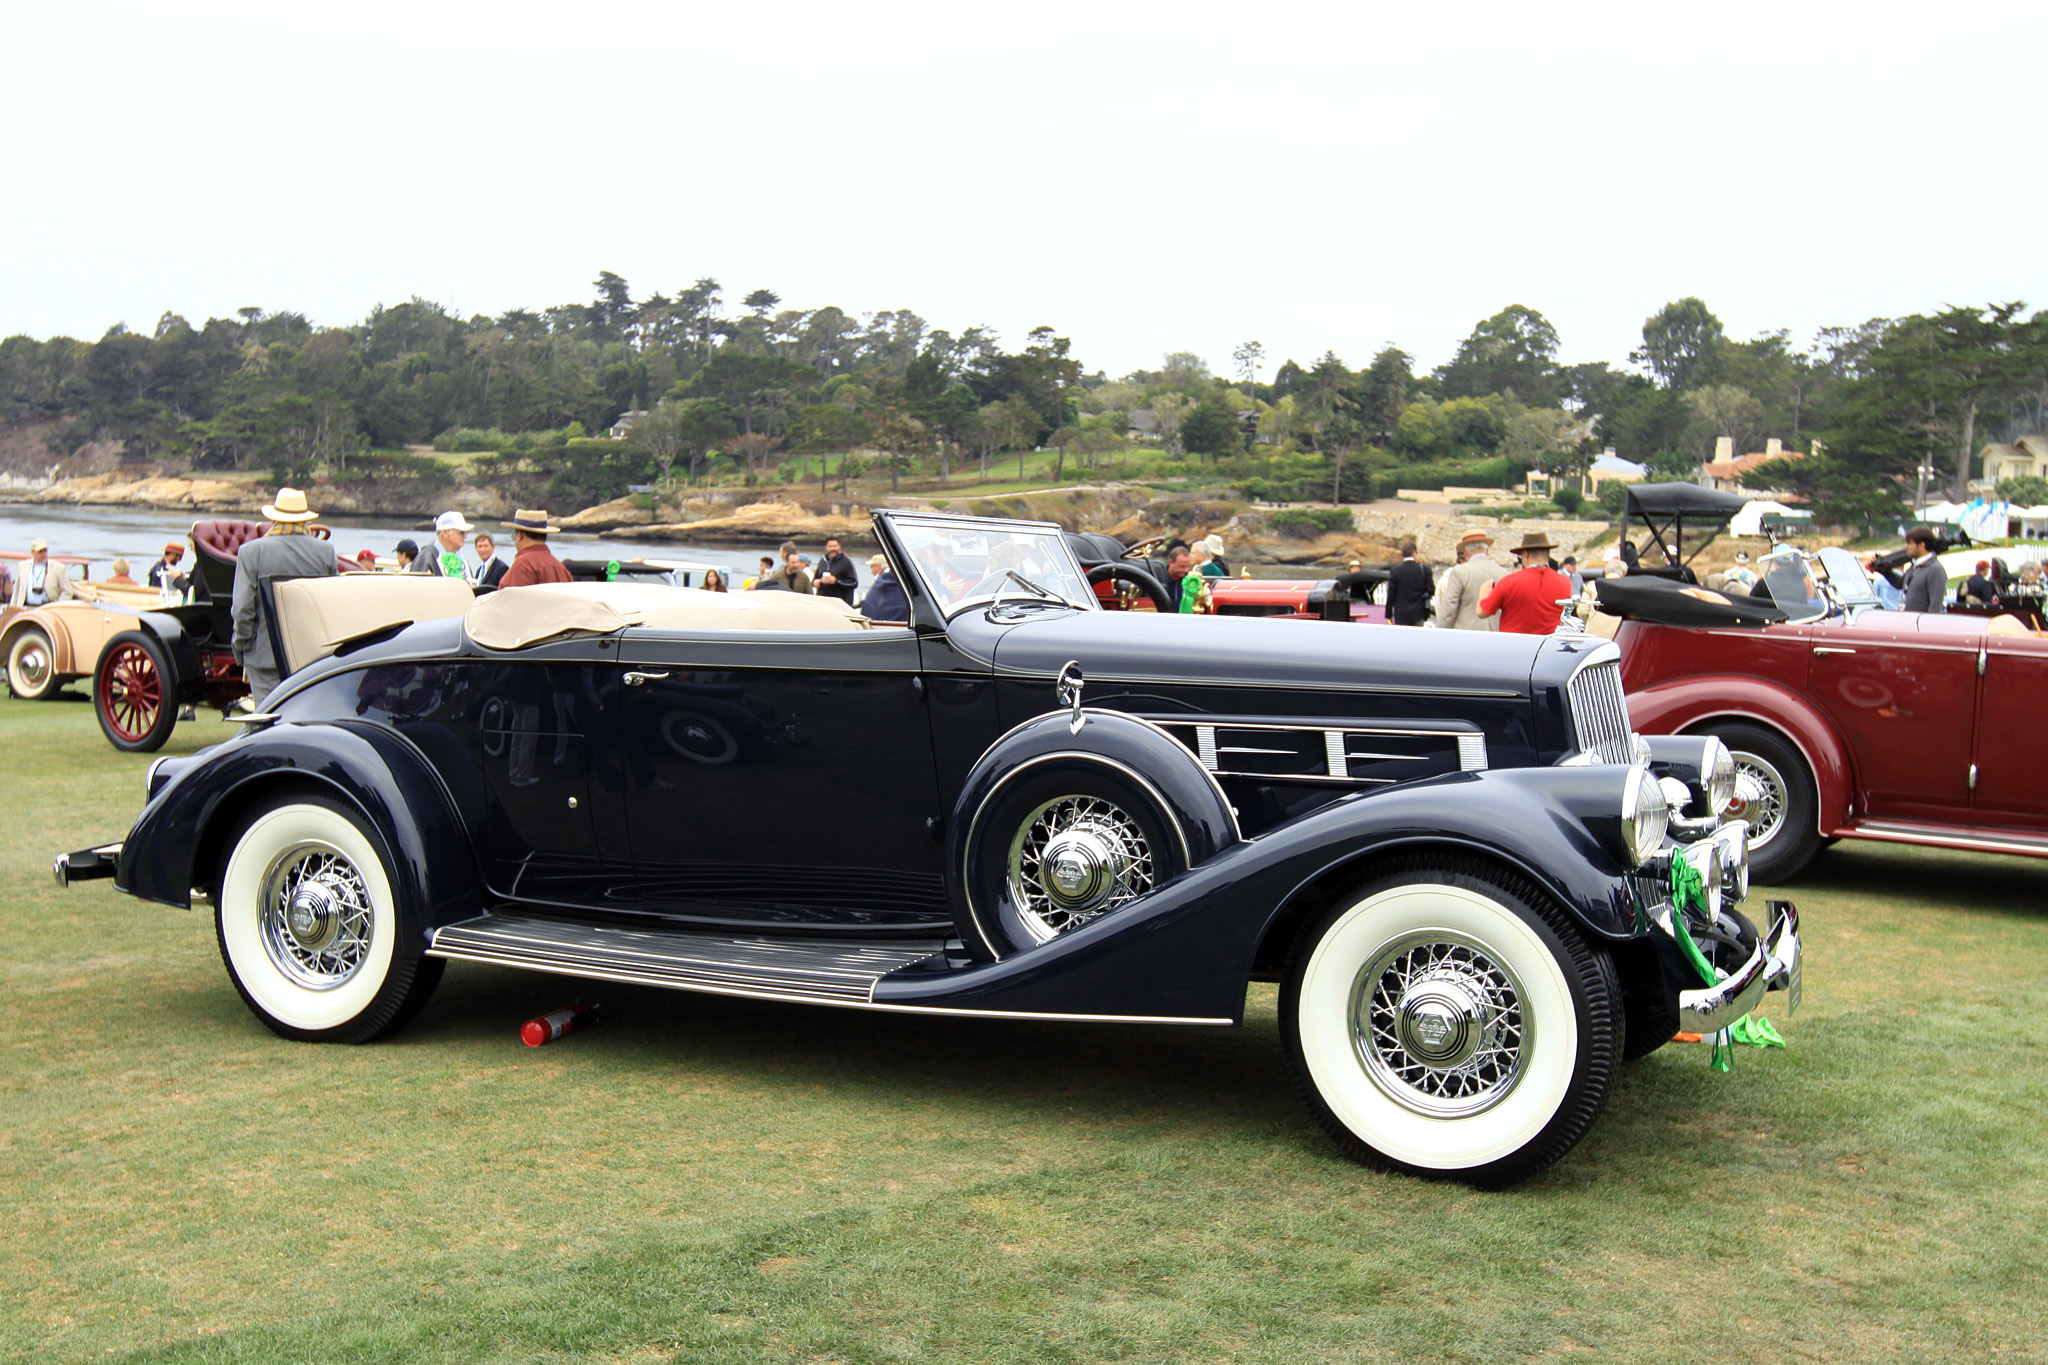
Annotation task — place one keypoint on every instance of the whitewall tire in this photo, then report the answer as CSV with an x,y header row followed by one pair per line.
x,y
1442,1018
310,930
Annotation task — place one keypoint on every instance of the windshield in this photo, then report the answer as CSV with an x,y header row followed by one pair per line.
x,y
963,564
1852,587
1789,578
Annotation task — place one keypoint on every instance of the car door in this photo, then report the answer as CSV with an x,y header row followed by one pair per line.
x,y
2012,741
537,724
780,777
1905,698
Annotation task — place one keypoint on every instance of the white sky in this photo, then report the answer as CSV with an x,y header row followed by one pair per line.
x,y
1142,177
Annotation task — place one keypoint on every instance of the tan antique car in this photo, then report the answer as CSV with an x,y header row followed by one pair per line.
x,y
47,647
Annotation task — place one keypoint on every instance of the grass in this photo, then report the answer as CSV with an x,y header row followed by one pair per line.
x,y
709,1180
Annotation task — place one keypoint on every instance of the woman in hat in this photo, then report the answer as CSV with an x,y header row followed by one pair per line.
x,y
533,562
1529,600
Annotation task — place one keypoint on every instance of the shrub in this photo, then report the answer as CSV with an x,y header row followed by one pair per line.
x,y
1570,499
1307,523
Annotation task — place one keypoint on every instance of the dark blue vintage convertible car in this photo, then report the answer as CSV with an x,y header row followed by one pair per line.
x,y
1449,848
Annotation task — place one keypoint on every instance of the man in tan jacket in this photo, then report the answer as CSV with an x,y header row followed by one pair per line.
x,y
1457,597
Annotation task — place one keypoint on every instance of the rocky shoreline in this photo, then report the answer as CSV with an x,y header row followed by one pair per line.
x,y
746,519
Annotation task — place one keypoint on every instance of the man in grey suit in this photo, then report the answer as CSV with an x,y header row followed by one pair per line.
x,y
1926,581
284,551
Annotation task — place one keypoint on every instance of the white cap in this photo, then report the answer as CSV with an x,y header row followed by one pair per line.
x,y
451,521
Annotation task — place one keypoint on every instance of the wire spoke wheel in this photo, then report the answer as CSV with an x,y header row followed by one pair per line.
x,y
310,929
1760,798
1439,1024
316,924
1444,1017
1076,857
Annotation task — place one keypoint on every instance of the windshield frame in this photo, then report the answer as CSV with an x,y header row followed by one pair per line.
x,y
1046,544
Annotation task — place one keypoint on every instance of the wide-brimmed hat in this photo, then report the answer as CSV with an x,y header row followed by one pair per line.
x,y
1212,543
875,560
1534,540
451,521
175,549
533,521
1474,538
290,506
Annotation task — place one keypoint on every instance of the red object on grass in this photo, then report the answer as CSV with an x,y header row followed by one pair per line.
x,y
549,1027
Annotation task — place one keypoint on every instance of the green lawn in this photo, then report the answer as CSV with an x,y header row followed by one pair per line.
x,y
710,1180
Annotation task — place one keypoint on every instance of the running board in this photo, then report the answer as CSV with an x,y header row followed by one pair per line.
x,y
799,969
1939,837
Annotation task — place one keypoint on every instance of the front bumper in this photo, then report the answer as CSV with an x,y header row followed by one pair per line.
x,y
1774,965
87,864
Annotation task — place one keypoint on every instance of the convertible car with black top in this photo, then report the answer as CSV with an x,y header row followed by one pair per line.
x,y
1480,892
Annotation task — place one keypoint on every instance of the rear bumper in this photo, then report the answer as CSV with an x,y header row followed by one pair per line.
x,y
87,864
1773,966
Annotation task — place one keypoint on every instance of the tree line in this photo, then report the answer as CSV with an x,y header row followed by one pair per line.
x,y
726,390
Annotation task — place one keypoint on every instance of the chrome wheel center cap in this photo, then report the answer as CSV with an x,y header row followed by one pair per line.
x,y
310,917
1441,1022
1078,868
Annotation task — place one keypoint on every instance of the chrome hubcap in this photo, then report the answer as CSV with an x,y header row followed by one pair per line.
x,y
1439,1024
315,918
1075,858
34,663
1759,798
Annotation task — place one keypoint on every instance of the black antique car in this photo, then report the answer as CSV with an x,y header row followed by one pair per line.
x,y
1448,847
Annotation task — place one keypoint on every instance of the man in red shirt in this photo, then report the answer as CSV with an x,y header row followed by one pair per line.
x,y
1527,599
534,562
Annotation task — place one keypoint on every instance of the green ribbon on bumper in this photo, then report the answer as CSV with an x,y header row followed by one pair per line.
x,y
1687,887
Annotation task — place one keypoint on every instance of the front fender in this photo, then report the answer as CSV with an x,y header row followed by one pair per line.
x,y
178,842
1686,704
1186,951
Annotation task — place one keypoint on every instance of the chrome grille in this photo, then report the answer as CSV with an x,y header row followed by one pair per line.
x,y
1599,713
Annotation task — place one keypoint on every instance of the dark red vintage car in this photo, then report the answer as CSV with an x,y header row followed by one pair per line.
x,y
1847,721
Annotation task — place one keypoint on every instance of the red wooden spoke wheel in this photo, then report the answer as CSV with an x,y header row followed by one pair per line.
x,y
132,692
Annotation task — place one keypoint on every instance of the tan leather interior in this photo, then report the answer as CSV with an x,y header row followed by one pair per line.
x,y
519,617
316,614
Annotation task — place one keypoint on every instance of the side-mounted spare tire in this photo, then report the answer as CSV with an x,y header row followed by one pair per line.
x,y
1058,825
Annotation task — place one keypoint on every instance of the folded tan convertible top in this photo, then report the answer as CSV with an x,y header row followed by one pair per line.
x,y
518,617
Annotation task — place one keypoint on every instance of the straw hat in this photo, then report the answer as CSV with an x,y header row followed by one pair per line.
x,y
290,506
35,545
1534,540
1474,538
533,521
1213,544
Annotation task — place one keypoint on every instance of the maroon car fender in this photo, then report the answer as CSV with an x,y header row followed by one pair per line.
x,y
1677,707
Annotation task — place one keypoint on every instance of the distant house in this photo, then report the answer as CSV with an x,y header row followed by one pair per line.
x,y
1144,425
617,431
1607,468
2027,455
1728,471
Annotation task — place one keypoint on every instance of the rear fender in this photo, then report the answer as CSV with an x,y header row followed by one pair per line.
x,y
1186,951
1687,704
51,623
179,842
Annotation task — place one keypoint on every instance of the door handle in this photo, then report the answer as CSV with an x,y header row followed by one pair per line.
x,y
1832,649
634,679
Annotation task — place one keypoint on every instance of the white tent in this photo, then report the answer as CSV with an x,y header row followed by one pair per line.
x,y
1750,520
1943,513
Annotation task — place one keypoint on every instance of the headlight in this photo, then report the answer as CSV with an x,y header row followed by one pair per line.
x,y
1733,838
1705,857
1717,767
1644,816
